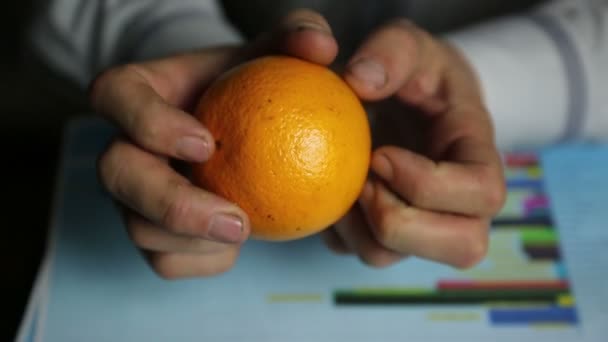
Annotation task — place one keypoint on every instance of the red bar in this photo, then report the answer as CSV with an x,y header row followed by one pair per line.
x,y
521,160
502,285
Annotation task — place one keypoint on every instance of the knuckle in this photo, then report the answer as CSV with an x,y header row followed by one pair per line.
x,y
226,263
409,33
493,189
100,83
147,127
304,14
109,79
474,244
138,234
110,165
164,266
387,223
376,256
420,192
177,205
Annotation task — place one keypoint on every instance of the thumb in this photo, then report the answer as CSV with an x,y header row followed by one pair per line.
x,y
301,33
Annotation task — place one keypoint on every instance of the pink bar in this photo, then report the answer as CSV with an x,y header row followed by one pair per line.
x,y
535,202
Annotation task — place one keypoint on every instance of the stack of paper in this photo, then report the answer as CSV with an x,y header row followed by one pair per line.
x,y
545,276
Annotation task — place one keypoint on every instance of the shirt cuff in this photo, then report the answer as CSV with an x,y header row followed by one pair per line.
x,y
522,74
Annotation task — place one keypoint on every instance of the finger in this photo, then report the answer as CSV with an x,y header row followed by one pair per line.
x,y
142,100
464,186
358,237
175,266
168,199
302,33
455,240
392,56
334,241
151,237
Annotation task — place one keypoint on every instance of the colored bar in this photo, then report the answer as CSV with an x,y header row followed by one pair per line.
x,y
535,184
533,315
454,316
535,172
518,227
539,237
521,159
560,271
535,202
542,252
538,212
294,298
507,222
548,296
502,285
565,300
506,270
387,291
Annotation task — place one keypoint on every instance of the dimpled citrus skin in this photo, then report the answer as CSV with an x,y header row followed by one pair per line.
x,y
293,145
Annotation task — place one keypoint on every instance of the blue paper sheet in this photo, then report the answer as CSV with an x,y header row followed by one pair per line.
x,y
553,235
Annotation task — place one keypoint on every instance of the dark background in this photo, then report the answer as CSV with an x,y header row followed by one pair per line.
x,y
32,117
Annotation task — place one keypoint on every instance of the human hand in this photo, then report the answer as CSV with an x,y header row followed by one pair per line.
x,y
183,230
437,175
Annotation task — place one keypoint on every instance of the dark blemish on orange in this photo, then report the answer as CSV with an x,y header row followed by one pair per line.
x,y
269,100
218,144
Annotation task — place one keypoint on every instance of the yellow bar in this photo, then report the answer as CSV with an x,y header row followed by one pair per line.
x,y
535,172
551,325
453,316
565,300
294,298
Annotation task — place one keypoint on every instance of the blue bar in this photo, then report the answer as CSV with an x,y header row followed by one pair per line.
x,y
525,183
560,271
533,315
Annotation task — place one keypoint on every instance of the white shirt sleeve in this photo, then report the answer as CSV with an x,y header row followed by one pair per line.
x,y
543,73
80,38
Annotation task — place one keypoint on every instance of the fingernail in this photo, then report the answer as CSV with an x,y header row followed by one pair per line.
x,y
308,25
226,228
382,167
193,149
368,71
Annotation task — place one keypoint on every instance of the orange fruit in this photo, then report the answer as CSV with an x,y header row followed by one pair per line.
x,y
293,145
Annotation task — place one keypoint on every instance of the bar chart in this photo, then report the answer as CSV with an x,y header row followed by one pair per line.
x,y
521,282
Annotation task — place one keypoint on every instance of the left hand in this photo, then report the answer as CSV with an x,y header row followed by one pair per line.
x,y
437,178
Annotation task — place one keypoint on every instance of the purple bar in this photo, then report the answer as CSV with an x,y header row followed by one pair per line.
x,y
534,203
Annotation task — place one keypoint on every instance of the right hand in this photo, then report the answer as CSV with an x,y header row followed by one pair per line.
x,y
183,230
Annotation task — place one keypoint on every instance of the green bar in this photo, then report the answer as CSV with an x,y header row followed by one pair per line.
x,y
547,297
389,291
539,237
451,293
